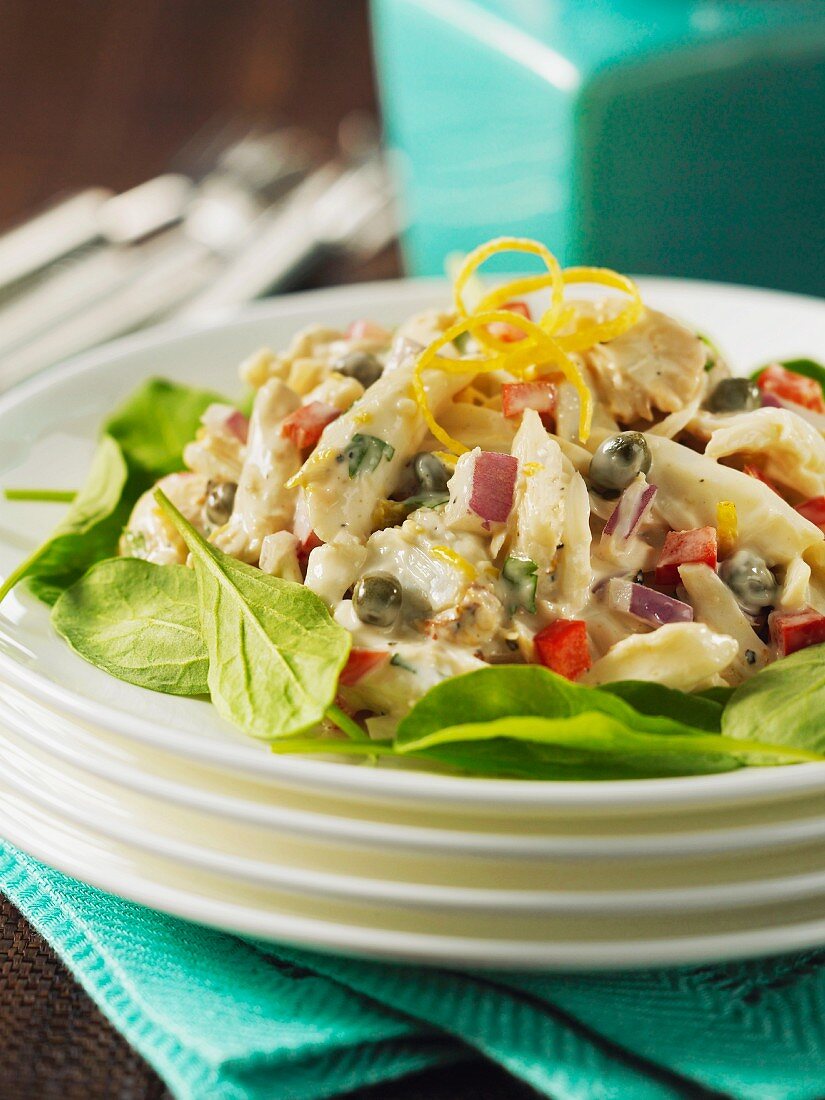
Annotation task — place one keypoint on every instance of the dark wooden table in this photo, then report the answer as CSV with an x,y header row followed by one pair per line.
x,y
106,92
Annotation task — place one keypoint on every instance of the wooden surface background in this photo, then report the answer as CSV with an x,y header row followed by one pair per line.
x,y
107,91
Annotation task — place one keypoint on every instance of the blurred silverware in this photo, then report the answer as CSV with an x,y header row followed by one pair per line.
x,y
253,222
65,226
337,207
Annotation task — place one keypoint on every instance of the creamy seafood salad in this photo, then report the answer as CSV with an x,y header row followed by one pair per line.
x,y
526,490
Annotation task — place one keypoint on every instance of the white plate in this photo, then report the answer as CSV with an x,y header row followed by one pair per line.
x,y
547,944
181,783
391,878
46,432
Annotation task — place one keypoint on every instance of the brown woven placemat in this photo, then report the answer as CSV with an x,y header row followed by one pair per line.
x,y
56,1045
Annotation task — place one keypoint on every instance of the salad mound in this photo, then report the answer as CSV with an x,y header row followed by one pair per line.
x,y
534,535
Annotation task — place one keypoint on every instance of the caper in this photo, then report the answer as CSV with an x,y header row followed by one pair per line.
x,y
735,395
220,500
430,473
360,365
750,580
619,459
377,599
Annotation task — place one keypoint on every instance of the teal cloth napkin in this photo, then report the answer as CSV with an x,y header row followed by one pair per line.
x,y
220,1016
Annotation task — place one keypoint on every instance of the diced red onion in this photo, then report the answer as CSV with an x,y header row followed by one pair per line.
x,y
494,481
238,424
224,418
770,401
646,603
633,505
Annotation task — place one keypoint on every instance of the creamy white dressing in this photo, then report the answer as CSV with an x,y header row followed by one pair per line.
x,y
473,590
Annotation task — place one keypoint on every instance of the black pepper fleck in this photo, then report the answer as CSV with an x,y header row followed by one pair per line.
x,y
750,656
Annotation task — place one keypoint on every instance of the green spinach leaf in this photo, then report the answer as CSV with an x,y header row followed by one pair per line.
x,y
274,651
524,721
142,442
88,532
718,695
698,711
589,745
155,424
138,622
504,690
784,703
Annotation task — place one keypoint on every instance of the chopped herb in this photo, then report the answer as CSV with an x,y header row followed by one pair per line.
x,y
399,662
44,496
365,452
713,352
461,342
522,576
427,500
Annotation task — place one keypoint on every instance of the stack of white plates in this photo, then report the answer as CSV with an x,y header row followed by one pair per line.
x,y
156,799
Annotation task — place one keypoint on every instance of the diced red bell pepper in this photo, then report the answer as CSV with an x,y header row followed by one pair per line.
x,y
511,333
307,545
803,391
538,395
814,510
794,630
360,663
367,330
562,647
305,425
754,471
683,547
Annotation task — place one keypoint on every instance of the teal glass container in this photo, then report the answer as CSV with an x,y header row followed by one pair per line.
x,y
680,137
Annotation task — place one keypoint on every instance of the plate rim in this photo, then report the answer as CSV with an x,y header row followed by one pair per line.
x,y
471,843
421,948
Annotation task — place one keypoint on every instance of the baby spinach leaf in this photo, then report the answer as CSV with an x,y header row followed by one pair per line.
x,y
155,424
719,695
784,703
647,698
504,690
88,532
589,745
274,652
138,622
142,441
